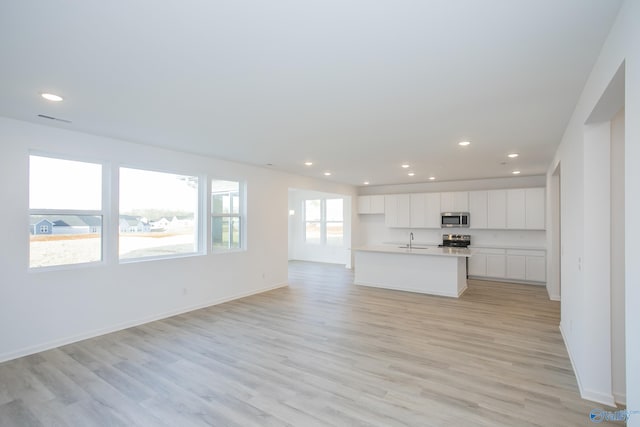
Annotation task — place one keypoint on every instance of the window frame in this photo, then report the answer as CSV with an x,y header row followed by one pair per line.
x,y
102,212
241,216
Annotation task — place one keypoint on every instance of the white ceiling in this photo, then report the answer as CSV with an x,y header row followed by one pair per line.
x,y
356,86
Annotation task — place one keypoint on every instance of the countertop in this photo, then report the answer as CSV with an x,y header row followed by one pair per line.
x,y
416,250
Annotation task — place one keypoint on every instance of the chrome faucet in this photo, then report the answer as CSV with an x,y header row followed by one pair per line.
x,y
410,240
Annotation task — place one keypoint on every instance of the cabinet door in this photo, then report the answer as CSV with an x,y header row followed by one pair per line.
x,y
536,269
377,204
496,266
496,209
403,212
516,267
390,211
446,202
516,209
418,208
432,210
535,209
461,201
478,209
478,265
364,204
454,201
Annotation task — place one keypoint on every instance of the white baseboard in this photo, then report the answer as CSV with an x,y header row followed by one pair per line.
x,y
554,297
621,398
594,396
70,340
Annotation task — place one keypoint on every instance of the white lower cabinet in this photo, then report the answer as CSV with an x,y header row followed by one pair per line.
x,y
516,267
522,265
536,269
478,265
495,265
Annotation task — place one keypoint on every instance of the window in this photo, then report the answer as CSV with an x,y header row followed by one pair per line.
x,y
313,221
158,214
226,215
334,222
65,212
324,222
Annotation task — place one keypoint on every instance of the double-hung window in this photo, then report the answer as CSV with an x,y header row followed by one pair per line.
x,y
324,221
65,212
226,215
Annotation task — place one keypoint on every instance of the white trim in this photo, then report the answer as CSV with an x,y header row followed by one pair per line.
x,y
594,396
620,398
69,340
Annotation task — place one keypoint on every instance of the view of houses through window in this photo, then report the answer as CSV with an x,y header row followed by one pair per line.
x,y
158,214
65,207
324,221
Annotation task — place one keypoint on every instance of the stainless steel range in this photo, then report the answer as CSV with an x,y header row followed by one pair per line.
x,y
455,241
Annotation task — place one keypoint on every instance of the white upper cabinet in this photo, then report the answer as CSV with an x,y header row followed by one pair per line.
x,y
478,209
418,215
397,209
535,208
454,201
364,204
371,204
516,209
432,210
496,209
425,210
526,209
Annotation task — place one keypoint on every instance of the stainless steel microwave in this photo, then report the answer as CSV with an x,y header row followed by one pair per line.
x,y
454,219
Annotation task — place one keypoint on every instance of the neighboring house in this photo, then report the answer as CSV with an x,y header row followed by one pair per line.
x,y
134,224
160,225
72,224
65,224
42,226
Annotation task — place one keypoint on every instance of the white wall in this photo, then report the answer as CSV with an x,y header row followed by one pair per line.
x,y
299,249
579,301
44,309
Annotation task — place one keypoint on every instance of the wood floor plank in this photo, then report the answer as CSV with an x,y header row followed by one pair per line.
x,y
320,352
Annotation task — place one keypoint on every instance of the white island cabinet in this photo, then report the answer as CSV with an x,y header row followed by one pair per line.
x,y
431,270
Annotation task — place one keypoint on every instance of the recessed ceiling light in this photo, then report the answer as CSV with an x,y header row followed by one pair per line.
x,y
308,163
513,155
464,143
366,183
432,178
51,97
327,173
516,172
405,165
411,173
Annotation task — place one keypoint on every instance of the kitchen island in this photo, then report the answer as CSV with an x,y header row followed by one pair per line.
x,y
427,270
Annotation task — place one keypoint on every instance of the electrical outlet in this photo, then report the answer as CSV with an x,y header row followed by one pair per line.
x,y
185,291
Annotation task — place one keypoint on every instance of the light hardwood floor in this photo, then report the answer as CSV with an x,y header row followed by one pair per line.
x,y
320,352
